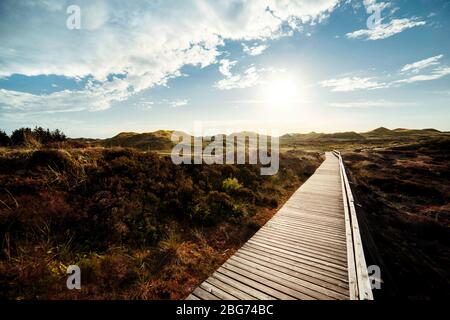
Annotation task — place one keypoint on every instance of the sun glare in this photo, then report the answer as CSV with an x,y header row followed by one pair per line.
x,y
281,92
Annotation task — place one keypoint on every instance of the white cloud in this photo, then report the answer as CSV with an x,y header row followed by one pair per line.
x,y
409,73
178,103
379,5
416,70
351,84
249,78
254,50
370,104
225,67
94,98
147,42
437,73
422,64
386,30
144,104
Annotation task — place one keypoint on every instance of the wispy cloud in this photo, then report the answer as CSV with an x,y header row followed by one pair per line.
x,y
422,64
379,5
351,84
249,78
371,104
94,97
437,73
178,103
254,50
386,30
409,73
416,70
225,67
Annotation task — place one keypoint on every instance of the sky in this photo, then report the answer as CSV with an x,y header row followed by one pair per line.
x,y
97,68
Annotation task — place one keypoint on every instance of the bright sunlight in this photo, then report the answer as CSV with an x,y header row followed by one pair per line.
x,y
282,91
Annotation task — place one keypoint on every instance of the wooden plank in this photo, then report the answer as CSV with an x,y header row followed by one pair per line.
x,y
303,249
205,295
254,282
308,230
302,240
319,211
311,216
301,243
274,286
307,214
241,286
230,289
317,238
320,220
304,273
297,262
317,205
324,264
306,224
217,291
288,279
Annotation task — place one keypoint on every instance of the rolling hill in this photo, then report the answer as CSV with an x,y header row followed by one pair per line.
x,y
160,140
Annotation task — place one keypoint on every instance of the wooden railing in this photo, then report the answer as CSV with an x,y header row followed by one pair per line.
x,y
359,282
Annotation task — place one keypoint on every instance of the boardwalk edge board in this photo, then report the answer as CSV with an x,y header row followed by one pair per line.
x,y
363,282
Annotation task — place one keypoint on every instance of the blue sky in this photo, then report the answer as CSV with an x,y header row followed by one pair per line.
x,y
287,66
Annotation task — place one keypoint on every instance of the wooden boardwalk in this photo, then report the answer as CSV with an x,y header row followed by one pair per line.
x,y
310,249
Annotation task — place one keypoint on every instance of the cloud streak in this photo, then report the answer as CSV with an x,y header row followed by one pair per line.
x,y
422,64
370,104
347,84
409,73
249,78
386,30
436,74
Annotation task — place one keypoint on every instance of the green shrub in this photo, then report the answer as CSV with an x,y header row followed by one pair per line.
x,y
231,185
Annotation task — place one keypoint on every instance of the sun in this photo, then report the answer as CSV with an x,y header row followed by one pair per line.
x,y
281,92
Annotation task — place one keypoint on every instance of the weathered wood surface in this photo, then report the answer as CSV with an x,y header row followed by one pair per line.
x,y
306,251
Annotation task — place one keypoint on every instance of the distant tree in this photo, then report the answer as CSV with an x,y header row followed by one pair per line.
x,y
39,135
22,136
4,139
42,135
58,136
